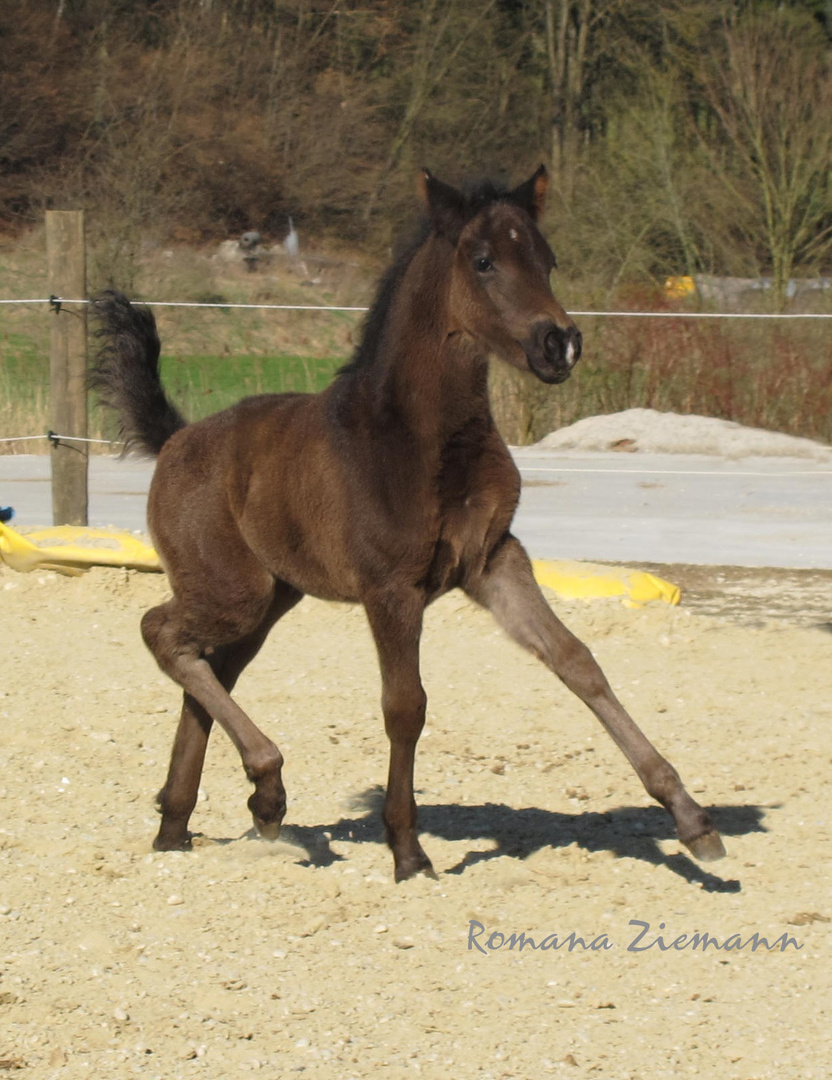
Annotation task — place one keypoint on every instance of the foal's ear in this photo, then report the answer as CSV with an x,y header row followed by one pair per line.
x,y
531,195
445,206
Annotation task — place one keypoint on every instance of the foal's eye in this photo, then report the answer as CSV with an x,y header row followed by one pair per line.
x,y
483,265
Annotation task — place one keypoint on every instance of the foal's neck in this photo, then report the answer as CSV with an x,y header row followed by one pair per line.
x,y
434,380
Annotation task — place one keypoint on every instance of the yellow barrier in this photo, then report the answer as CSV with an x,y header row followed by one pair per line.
x,y
584,581
70,549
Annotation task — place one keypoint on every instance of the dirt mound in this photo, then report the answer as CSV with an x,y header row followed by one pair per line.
x,y
653,432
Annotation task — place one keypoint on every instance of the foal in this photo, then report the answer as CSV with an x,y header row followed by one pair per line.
x,y
389,488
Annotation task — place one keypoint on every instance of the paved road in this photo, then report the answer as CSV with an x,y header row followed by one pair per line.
x,y
676,508
658,508
117,490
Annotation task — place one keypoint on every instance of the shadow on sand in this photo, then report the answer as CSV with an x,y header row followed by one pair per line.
x,y
627,832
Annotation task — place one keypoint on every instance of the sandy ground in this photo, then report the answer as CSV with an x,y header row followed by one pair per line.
x,y
302,957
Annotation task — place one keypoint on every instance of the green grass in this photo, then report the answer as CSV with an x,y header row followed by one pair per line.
x,y
213,356
24,391
21,357
201,385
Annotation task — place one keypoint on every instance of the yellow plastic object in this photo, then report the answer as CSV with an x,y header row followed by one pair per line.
x,y
679,287
584,581
71,549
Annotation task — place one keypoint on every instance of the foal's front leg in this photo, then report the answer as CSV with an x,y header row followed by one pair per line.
x,y
396,622
508,589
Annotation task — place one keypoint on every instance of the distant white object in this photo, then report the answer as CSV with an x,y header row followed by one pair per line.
x,y
291,245
249,240
249,245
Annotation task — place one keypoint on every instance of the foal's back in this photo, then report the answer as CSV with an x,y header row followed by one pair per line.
x,y
261,476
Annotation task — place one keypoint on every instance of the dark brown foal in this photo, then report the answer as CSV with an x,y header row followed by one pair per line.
x,y
388,489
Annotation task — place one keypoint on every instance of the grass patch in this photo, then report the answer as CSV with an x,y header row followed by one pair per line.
x,y
212,356
201,385
24,391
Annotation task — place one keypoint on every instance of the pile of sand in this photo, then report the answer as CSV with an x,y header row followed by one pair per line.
x,y
653,432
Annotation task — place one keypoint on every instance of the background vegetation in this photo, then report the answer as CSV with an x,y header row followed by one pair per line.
x,y
685,137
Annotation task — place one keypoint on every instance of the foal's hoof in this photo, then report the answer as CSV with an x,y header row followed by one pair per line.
x,y
174,843
707,848
269,830
419,864
267,814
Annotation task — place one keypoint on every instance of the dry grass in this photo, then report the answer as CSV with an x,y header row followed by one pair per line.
x,y
769,374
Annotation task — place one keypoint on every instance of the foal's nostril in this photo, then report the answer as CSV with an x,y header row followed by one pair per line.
x,y
553,344
562,345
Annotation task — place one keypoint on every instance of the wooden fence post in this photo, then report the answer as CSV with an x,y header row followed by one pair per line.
x,y
67,277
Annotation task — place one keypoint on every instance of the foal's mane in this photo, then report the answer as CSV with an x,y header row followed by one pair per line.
x,y
476,196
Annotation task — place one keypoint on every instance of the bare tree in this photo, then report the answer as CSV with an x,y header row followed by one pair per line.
x,y
582,38
771,91
443,30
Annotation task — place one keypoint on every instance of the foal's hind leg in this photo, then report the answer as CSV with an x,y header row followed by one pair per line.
x,y
508,589
207,682
177,798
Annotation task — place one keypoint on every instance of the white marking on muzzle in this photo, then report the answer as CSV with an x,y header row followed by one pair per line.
x,y
570,353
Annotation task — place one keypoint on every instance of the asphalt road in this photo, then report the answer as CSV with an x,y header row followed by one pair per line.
x,y
674,508
610,507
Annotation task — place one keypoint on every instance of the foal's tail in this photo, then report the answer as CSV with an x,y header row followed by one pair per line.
x,y
126,374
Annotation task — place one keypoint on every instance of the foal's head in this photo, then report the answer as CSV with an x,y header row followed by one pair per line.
x,y
500,294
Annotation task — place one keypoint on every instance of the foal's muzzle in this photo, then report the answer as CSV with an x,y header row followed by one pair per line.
x,y
553,351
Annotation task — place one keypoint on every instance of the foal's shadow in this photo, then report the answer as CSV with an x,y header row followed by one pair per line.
x,y
627,831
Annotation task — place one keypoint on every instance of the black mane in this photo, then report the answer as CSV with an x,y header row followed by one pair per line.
x,y
476,196
376,317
